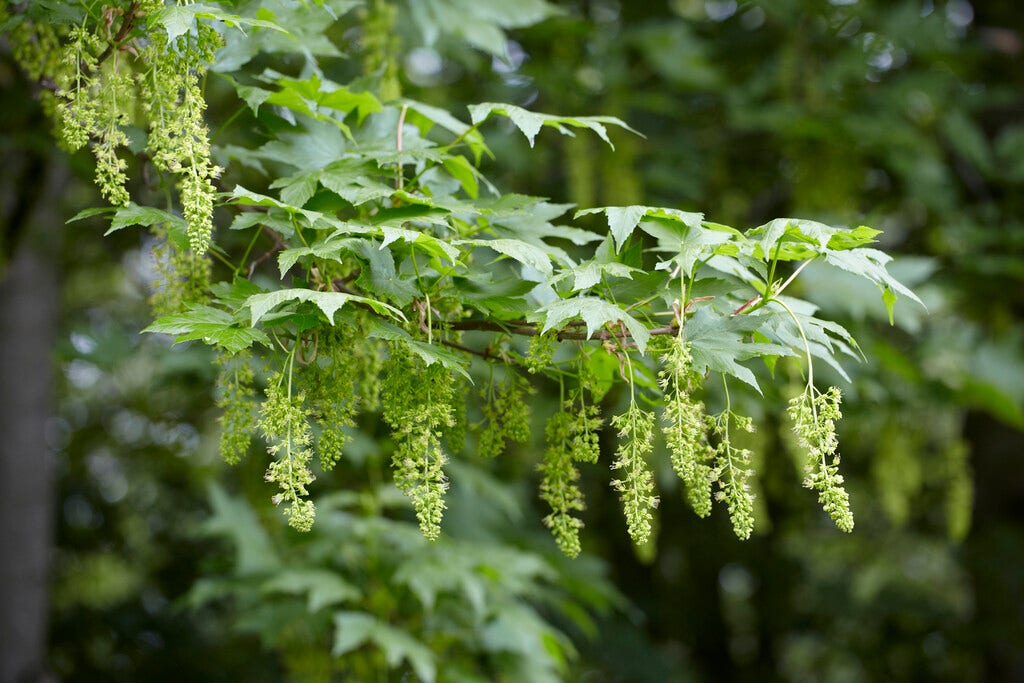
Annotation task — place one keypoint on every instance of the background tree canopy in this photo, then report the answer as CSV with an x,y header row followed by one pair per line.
x,y
357,189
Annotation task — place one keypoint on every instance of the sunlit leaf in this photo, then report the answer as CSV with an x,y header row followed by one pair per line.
x,y
328,302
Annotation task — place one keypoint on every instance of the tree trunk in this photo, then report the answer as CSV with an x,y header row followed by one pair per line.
x,y
29,309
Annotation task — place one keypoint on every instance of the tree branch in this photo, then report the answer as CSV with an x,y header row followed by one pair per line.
x,y
514,327
127,24
278,246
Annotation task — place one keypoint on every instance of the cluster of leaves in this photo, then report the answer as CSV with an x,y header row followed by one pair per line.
x,y
368,594
379,211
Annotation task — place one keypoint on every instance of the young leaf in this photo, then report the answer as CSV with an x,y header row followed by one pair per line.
x,y
425,242
595,312
424,117
622,220
530,123
463,171
870,264
799,239
589,273
527,254
210,325
328,302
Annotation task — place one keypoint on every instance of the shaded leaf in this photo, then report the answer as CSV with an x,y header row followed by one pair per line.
x,y
353,629
425,242
622,220
524,253
323,587
717,343
245,197
211,326
595,312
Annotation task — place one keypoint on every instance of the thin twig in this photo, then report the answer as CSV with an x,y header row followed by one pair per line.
x,y
278,246
747,304
398,141
127,24
793,276
754,302
532,331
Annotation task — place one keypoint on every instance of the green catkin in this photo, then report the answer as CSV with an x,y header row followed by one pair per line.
x,y
99,87
382,47
506,417
37,49
636,485
284,422
897,471
586,432
960,489
585,443
95,102
686,425
558,486
178,136
455,435
328,381
732,472
540,352
572,437
814,415
417,402
237,401
183,276
77,83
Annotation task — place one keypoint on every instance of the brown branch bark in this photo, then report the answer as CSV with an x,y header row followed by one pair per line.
x,y
532,331
123,31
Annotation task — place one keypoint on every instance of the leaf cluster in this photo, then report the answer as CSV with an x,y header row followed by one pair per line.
x,y
370,229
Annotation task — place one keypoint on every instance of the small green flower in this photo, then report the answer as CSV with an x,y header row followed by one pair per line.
x,y
328,382
178,140
506,417
541,350
558,484
814,415
732,472
417,401
686,425
284,422
236,400
636,485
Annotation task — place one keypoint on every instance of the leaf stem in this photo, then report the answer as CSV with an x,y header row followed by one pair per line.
x,y
810,361
398,145
248,250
